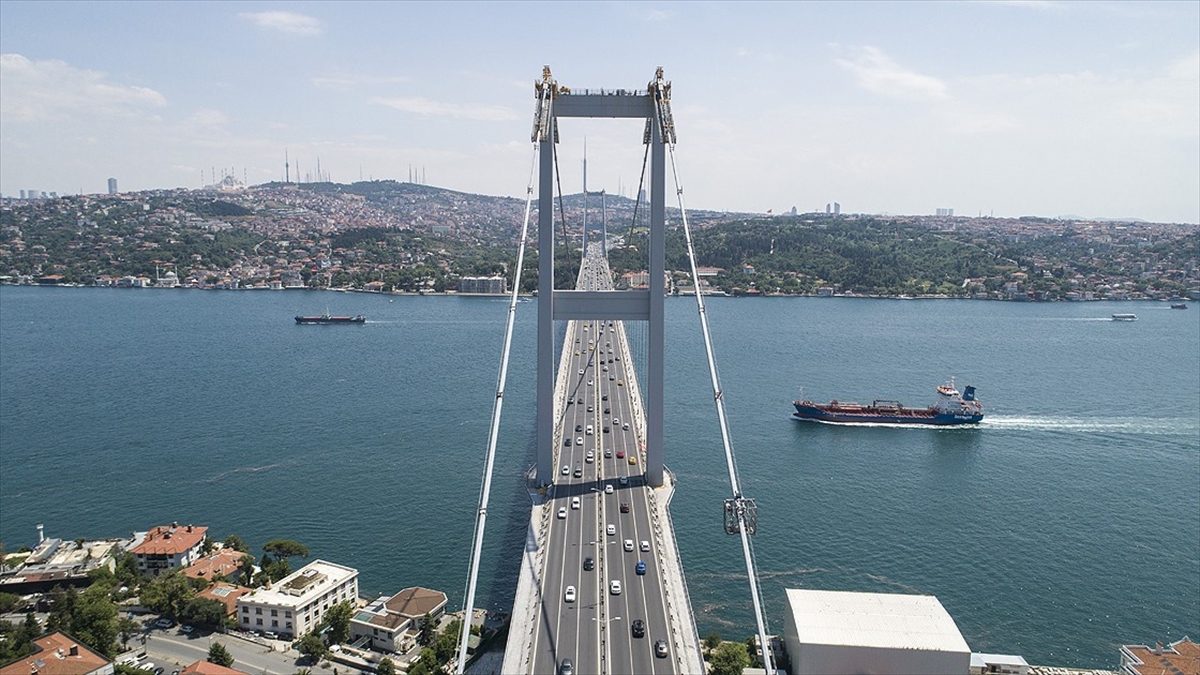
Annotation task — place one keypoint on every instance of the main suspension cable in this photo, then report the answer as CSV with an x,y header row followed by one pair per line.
x,y
494,433
719,399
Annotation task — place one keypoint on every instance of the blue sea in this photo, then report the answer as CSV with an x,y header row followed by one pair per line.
x,y
1066,524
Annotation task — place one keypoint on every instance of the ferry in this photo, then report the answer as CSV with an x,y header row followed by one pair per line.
x,y
1124,317
950,408
329,319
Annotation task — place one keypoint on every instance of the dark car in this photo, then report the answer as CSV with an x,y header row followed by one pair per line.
x,y
639,628
660,649
604,397
578,428
589,564
567,441
641,567
624,507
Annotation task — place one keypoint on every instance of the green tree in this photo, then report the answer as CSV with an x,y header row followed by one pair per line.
x,y
752,652
426,630
168,594
337,619
127,570
62,606
447,643
385,667
426,663
286,548
713,640
219,655
204,612
126,629
729,658
246,569
311,646
236,543
94,620
8,602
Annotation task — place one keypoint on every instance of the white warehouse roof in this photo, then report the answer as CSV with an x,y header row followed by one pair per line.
x,y
876,620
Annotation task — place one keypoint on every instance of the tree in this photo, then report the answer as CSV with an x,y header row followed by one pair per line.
x,y
311,646
447,643
94,620
337,619
752,651
62,606
168,594
285,548
385,667
236,543
204,612
425,630
245,570
426,664
219,655
8,602
126,629
712,641
729,658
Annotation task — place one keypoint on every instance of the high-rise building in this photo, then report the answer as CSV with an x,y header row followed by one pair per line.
x,y
837,209
112,186
945,212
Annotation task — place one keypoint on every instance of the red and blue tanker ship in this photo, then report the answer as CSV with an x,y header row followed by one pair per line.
x,y
950,408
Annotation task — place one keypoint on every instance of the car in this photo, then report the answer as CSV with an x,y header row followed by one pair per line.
x,y
186,629
562,512
605,369
606,430
620,454
567,441
590,430
625,426
589,384
578,471
639,628
629,545
164,623
589,564
566,667
645,545
604,397
608,489
578,428
591,457
640,568
580,400
611,529
607,453
566,470
620,383
569,595
581,371
579,440
660,649
611,378
624,507
591,408
147,666
623,480
607,411
614,587
575,503
616,421
633,459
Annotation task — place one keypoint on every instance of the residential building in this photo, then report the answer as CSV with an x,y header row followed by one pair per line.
x,y
59,654
168,547
483,285
391,624
217,565
1181,657
295,604
203,667
226,594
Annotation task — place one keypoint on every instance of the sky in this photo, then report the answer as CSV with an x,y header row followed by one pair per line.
x,y
1031,107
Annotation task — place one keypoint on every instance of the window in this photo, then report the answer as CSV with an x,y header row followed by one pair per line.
x,y
258,610
274,623
288,613
258,621
289,624
274,612
245,609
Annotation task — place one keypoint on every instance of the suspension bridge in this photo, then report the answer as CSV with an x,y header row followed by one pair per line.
x,y
602,586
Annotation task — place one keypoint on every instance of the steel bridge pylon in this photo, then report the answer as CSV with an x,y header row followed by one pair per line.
x,y
556,102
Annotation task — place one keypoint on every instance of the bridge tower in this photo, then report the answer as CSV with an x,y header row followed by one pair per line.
x,y
556,102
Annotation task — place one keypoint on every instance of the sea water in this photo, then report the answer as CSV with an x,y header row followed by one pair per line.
x,y
1065,524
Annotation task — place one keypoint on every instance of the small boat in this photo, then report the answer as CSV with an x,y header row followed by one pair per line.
x,y
1124,317
1179,305
330,319
950,408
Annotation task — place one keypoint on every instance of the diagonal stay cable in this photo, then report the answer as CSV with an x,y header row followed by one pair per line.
x,y
719,399
494,433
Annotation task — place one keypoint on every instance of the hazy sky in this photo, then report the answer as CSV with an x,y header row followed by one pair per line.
x,y
1010,108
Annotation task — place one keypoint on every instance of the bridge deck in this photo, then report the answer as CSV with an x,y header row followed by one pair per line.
x,y
597,387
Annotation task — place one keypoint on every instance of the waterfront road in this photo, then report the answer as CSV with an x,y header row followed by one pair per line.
x,y
600,517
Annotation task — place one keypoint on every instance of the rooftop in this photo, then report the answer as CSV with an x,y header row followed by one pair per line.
x,y
220,562
57,654
878,620
203,667
170,540
1178,658
317,576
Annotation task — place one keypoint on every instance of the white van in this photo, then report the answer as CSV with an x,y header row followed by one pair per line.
x,y
589,430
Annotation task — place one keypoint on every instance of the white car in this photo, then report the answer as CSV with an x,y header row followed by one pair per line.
x,y
625,426
645,545
569,595
591,457
614,586
611,529
562,512
566,470
579,440
575,503
628,544
608,489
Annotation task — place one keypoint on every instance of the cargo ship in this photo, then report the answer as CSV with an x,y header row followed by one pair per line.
x,y
950,408
329,319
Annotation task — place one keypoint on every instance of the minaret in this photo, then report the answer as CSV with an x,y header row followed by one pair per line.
x,y
287,168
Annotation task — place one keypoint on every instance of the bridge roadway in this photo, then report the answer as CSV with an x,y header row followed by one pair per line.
x,y
600,509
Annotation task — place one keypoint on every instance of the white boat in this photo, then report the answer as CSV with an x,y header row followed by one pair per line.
x,y
1124,317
